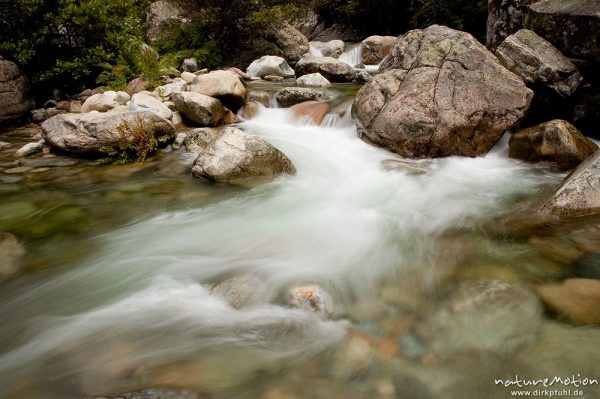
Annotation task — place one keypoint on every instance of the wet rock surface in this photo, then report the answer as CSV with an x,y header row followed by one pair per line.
x,y
556,141
237,156
579,194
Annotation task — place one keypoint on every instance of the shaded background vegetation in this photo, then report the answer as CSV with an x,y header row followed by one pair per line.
x,y
73,44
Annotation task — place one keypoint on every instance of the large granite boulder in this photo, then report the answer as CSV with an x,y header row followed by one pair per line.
x,y
236,156
14,102
200,109
573,26
270,65
95,134
505,17
556,141
331,68
441,93
579,194
376,48
226,86
295,95
332,48
539,63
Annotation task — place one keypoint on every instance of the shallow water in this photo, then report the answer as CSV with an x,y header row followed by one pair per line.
x,y
119,297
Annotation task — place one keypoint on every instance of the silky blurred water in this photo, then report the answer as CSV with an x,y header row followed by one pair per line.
x,y
136,309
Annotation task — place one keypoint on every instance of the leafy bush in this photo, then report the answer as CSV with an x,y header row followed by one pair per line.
x,y
65,43
135,60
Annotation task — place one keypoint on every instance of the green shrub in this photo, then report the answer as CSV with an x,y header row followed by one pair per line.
x,y
136,142
66,43
134,61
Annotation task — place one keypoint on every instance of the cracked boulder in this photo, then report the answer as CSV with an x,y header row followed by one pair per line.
x,y
238,157
440,93
579,194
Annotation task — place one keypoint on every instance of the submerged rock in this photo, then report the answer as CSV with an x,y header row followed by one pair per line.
x,y
539,63
295,95
223,85
412,168
579,194
556,141
313,80
261,97
577,300
486,315
376,48
441,93
270,65
312,298
332,69
241,291
92,134
153,394
236,157
199,108
12,256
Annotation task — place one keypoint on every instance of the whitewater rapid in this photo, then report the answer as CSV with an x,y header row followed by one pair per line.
x,y
341,222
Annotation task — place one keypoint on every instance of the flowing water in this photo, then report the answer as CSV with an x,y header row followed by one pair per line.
x,y
127,303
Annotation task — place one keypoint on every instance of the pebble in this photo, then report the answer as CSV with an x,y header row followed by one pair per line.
x,y
18,170
11,179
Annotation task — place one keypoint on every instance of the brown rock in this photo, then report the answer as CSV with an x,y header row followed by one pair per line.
x,y
576,300
556,141
137,85
311,111
376,48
